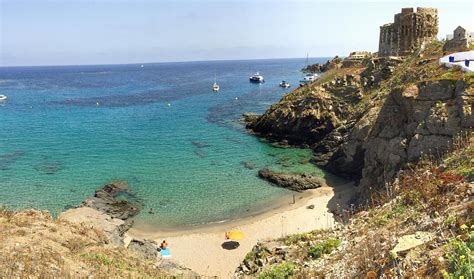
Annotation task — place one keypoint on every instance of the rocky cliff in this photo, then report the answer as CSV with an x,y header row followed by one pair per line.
x,y
368,121
421,228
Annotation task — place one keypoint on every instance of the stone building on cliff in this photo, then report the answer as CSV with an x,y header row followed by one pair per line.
x,y
459,40
408,31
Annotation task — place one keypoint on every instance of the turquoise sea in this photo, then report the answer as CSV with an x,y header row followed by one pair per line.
x,y
67,130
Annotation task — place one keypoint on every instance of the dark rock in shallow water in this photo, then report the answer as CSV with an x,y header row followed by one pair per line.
x,y
248,165
281,144
199,153
9,158
106,200
250,117
295,181
199,144
49,167
146,248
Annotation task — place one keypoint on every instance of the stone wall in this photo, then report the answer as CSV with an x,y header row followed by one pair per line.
x,y
408,31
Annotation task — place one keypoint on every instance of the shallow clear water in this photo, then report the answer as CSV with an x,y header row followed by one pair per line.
x,y
65,131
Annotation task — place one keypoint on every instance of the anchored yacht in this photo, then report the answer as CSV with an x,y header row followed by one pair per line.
x,y
258,78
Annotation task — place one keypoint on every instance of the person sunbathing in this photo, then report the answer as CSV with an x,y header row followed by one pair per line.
x,y
164,245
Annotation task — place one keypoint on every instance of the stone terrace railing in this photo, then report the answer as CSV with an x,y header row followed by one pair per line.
x,y
459,58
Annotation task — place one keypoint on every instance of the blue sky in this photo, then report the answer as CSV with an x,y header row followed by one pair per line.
x,y
69,32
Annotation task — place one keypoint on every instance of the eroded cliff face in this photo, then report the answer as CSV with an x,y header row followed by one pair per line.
x,y
368,121
422,118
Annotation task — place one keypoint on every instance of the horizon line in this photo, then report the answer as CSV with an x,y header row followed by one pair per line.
x,y
163,62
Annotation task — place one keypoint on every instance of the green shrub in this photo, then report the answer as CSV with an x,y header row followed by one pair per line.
x,y
100,258
461,255
325,247
282,270
295,238
450,220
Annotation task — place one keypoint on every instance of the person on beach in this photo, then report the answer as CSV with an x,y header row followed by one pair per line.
x,y
164,245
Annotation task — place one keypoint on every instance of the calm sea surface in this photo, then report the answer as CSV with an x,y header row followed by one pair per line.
x,y
67,130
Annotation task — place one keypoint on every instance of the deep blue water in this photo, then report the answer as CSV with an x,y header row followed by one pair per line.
x,y
67,130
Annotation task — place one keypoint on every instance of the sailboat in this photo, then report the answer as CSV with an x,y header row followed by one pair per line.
x,y
308,77
215,86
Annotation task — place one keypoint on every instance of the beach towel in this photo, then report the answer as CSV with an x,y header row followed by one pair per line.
x,y
165,253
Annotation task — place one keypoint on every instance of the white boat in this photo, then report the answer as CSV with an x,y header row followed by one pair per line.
x,y
309,78
3,98
258,78
284,84
215,86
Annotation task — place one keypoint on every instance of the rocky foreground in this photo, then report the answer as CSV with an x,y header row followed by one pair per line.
x,y
89,240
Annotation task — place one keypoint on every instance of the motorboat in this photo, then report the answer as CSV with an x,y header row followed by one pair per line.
x,y
257,77
3,98
215,86
284,84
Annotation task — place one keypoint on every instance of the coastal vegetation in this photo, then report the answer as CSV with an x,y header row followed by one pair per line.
x,y
421,226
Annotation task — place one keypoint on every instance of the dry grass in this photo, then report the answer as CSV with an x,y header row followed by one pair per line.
x,y
33,245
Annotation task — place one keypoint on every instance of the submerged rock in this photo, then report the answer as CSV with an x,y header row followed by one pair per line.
x,y
199,144
295,181
49,167
9,158
248,165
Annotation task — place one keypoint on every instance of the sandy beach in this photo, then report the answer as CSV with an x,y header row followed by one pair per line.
x,y
201,250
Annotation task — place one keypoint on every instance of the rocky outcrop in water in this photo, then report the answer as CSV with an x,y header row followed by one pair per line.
x,y
106,199
300,121
295,182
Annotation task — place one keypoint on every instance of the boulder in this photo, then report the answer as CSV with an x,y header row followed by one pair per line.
x,y
295,181
176,269
408,242
148,249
